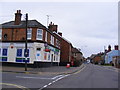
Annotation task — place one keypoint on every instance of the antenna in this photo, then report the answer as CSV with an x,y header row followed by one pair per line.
x,y
48,19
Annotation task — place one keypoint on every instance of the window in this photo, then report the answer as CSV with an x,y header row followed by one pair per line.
x,y
29,33
54,57
5,36
4,53
46,36
49,56
0,33
0,52
19,52
38,49
45,56
52,40
27,52
75,54
57,43
39,34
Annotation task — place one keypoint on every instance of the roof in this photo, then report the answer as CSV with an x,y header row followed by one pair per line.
x,y
75,50
114,52
62,37
31,23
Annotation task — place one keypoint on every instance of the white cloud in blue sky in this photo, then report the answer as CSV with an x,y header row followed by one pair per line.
x,y
87,25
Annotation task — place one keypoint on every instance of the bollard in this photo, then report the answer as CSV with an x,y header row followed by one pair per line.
x,y
68,65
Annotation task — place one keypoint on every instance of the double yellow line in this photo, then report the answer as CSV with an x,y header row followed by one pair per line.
x,y
17,86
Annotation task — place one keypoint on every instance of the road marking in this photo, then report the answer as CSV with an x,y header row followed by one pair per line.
x,y
32,77
59,77
18,86
45,86
40,77
80,70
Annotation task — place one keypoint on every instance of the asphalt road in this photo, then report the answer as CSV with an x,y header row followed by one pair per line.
x,y
91,76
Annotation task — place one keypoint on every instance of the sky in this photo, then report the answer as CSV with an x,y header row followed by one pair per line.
x,y
88,25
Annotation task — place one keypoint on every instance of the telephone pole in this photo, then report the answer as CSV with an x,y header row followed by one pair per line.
x,y
26,52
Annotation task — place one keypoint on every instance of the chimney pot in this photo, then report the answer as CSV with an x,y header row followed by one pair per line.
x,y
18,17
19,11
109,48
116,47
60,33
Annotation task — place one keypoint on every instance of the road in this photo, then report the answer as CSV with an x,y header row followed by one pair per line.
x,y
91,76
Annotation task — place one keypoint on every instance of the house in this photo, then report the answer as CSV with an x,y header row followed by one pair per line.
x,y
112,54
65,46
77,57
43,45
116,61
91,57
97,58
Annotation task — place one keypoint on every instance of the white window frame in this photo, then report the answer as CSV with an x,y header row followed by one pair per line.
x,y
46,36
41,34
29,33
57,43
52,40
0,34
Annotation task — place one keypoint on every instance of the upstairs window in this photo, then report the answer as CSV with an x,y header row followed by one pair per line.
x,y
0,34
46,36
39,34
52,40
29,33
57,43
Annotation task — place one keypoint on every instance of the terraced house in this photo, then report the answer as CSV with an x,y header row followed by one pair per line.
x,y
43,45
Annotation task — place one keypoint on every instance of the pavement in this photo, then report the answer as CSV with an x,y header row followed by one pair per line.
x,y
47,70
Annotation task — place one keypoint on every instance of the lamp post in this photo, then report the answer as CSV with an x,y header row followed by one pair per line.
x,y
26,53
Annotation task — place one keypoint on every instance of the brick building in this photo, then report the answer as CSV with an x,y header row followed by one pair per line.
x,y
77,57
65,46
43,45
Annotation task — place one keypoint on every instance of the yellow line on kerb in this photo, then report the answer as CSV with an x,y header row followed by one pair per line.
x,y
18,86
80,70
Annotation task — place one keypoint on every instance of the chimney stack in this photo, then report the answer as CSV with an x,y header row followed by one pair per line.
x,y
53,27
116,47
18,17
109,48
60,33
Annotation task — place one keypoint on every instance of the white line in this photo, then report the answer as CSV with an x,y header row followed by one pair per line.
x,y
57,76
49,83
45,86
32,77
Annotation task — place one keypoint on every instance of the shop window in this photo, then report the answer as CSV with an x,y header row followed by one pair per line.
x,y
0,34
27,52
4,53
19,52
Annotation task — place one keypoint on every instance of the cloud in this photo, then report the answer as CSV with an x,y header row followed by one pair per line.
x,y
90,24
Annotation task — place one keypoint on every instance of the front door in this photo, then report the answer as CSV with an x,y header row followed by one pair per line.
x,y
38,54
